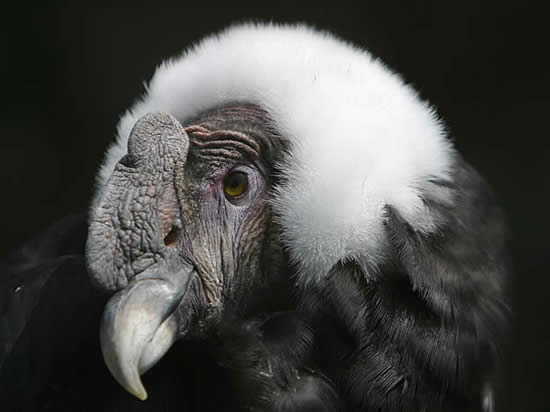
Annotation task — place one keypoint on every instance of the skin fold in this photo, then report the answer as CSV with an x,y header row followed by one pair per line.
x,y
198,302
187,262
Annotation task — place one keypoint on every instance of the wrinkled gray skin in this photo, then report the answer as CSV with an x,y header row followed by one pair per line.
x,y
172,247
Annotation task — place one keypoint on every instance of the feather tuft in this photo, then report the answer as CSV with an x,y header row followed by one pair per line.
x,y
360,138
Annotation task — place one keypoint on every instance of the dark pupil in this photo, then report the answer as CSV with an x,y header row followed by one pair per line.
x,y
236,181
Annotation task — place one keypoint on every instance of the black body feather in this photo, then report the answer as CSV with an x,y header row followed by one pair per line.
x,y
52,358
423,333
420,335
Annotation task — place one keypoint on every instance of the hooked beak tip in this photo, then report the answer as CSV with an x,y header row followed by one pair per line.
x,y
133,385
139,391
127,358
137,329
127,376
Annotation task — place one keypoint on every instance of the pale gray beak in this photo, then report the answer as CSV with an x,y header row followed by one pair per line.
x,y
140,324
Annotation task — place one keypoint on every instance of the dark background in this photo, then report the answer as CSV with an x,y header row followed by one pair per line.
x,y
68,74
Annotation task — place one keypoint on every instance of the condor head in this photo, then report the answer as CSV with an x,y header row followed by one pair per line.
x,y
182,232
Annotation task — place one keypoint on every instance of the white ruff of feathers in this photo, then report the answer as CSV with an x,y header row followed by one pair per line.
x,y
360,137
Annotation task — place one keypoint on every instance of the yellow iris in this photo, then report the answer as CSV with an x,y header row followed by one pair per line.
x,y
235,184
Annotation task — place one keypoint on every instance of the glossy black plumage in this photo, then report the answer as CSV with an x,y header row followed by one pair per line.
x,y
424,332
405,339
52,358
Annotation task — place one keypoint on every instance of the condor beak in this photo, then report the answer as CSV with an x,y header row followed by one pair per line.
x,y
140,324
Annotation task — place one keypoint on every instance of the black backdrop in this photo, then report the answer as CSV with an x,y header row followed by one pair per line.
x,y
68,74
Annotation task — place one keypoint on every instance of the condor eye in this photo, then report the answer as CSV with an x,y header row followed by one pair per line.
x,y
235,184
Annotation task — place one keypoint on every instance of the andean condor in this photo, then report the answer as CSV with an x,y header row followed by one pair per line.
x,y
291,219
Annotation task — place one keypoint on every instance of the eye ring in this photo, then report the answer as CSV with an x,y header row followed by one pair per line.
x,y
235,185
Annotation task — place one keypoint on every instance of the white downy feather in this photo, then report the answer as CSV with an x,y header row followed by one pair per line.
x,y
361,138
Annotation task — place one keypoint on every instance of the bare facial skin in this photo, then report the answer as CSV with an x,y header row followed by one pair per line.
x,y
184,237
180,233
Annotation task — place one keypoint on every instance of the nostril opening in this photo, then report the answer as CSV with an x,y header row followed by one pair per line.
x,y
172,237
